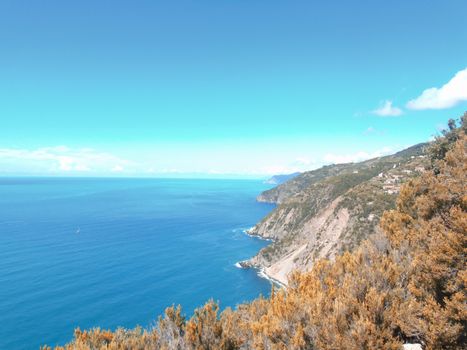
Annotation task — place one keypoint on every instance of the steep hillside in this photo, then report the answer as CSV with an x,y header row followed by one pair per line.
x,y
323,212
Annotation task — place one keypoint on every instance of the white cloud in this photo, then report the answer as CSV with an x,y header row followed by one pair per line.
x,y
449,95
373,131
369,130
303,163
331,158
117,169
58,159
275,170
300,164
386,109
66,163
81,167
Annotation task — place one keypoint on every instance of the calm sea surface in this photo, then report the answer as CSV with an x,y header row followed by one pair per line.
x,y
116,252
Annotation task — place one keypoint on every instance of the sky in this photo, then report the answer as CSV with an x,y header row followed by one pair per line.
x,y
223,88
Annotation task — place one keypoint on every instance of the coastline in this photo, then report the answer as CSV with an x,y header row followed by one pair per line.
x,y
262,272
252,235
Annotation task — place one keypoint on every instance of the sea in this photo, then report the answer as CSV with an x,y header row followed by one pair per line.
x,y
115,252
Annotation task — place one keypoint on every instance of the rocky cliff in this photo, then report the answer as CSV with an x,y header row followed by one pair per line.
x,y
323,212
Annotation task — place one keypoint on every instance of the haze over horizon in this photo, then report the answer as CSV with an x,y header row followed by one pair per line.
x,y
223,89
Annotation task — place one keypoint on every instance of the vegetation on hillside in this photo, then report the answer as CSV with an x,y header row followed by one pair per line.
x,y
405,285
327,211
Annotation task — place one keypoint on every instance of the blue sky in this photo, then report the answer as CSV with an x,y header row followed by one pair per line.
x,y
223,88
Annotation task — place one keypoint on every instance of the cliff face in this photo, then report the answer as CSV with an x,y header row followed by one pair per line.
x,y
324,212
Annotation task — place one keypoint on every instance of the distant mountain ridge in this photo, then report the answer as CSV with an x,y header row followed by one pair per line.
x,y
280,179
324,212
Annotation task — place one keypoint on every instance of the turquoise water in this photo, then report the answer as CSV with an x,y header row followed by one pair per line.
x,y
116,252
